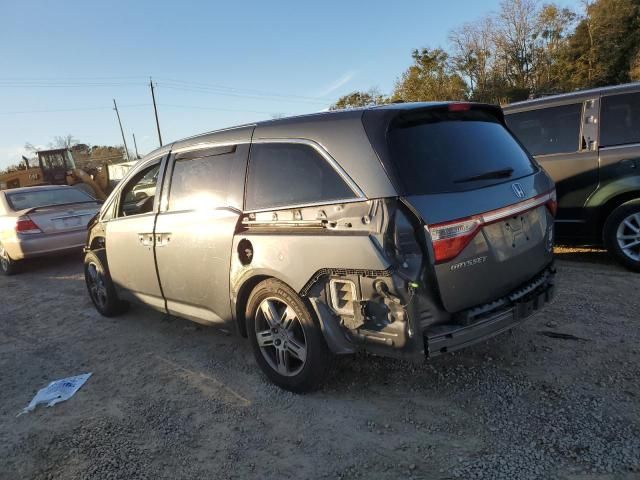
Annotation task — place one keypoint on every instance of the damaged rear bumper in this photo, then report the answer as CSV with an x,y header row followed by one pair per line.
x,y
484,322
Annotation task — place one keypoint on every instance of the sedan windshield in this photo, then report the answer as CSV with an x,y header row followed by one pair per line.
x,y
44,198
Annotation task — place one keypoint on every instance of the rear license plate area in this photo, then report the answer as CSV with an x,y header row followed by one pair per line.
x,y
66,223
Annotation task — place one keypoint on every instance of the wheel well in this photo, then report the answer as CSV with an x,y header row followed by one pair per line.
x,y
606,209
242,299
97,242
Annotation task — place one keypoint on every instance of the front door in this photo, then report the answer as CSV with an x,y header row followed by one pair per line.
x,y
194,230
130,239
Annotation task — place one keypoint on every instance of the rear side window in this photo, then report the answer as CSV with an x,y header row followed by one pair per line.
x,y
620,120
438,152
548,130
44,198
215,179
283,174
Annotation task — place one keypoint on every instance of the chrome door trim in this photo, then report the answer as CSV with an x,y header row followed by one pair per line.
x,y
619,147
306,205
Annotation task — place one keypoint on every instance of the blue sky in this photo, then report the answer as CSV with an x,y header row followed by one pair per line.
x,y
216,64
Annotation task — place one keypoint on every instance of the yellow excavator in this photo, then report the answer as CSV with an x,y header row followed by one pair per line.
x,y
57,167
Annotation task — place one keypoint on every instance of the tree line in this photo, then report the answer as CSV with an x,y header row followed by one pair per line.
x,y
526,49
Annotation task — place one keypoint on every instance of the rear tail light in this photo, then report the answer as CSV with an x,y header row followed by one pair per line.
x,y
27,226
552,204
451,238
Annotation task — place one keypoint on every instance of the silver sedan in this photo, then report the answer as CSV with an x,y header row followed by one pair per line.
x,y
38,221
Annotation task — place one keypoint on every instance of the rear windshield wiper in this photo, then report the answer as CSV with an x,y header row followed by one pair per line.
x,y
504,173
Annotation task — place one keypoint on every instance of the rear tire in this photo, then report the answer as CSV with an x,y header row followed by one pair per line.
x,y
622,234
287,342
8,266
100,286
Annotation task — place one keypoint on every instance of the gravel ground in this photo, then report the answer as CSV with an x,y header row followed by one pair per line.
x,y
170,399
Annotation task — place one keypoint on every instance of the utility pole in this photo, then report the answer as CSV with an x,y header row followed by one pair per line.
x,y
155,109
126,150
136,146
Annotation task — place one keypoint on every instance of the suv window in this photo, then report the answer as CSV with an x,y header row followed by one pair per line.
x,y
548,130
620,120
439,151
283,174
138,195
214,180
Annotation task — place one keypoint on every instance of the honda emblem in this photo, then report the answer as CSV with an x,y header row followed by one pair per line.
x,y
518,190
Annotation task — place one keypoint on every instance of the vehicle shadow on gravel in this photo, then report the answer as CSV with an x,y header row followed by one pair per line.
x,y
54,265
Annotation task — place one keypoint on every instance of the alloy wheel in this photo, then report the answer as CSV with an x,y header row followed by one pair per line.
x,y
628,236
280,336
4,259
96,284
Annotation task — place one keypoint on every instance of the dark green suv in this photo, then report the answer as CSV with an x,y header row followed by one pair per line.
x,y
589,142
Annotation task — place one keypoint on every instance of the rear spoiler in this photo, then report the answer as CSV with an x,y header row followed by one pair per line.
x,y
27,211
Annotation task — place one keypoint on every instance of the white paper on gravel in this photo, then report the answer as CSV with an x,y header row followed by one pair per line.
x,y
57,391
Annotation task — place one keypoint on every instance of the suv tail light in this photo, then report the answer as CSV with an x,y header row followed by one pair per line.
x,y
450,238
27,226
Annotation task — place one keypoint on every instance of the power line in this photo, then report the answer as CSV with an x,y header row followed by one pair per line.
x,y
120,107
240,95
200,107
65,84
75,77
182,85
241,90
81,109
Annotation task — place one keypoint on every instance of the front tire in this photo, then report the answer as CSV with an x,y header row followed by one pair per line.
x,y
100,286
287,342
8,266
622,234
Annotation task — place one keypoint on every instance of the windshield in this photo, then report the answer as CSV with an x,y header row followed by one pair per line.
x,y
42,198
439,151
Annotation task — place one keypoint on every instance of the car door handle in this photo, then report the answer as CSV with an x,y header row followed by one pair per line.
x,y
162,239
145,239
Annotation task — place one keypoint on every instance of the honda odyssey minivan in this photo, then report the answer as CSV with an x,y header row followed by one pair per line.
x,y
408,230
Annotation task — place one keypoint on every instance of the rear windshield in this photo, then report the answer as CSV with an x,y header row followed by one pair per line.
x,y
44,198
442,151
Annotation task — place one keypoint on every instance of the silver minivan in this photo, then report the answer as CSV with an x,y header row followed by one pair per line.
x,y
408,230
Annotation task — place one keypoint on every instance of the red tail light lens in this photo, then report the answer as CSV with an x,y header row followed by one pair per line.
x,y
552,204
27,226
459,107
449,239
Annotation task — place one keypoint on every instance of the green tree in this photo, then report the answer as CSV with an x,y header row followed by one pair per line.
x,y
553,26
430,78
604,46
515,45
359,99
634,73
473,57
